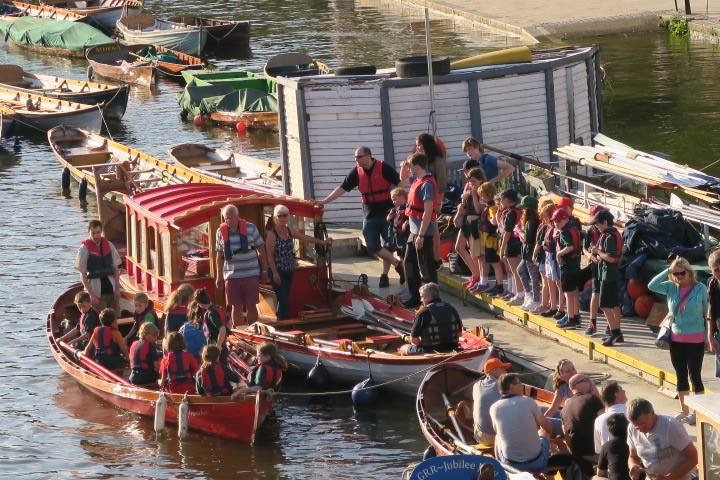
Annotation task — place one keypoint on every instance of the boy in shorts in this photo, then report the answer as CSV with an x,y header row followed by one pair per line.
x,y
607,253
568,256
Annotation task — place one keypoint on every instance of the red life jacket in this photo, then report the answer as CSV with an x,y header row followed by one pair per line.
x,y
576,239
548,242
140,356
271,375
89,321
104,343
518,216
592,237
415,204
180,367
373,186
399,221
225,236
611,231
100,261
214,382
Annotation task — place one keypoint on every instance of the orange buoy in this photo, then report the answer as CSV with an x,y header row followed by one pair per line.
x,y
636,288
199,121
241,128
643,305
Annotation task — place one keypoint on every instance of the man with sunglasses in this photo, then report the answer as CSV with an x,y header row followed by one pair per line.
x,y
374,179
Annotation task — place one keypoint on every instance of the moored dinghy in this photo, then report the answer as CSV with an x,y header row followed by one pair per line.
x,y
228,166
221,33
236,418
102,13
120,63
43,113
294,65
145,28
53,37
112,98
21,9
112,166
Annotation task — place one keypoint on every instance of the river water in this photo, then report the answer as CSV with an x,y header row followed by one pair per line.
x,y
660,95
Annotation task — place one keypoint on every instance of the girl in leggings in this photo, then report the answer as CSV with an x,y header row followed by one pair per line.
x,y
687,303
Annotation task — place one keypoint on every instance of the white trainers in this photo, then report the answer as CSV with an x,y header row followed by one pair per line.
x,y
537,308
527,303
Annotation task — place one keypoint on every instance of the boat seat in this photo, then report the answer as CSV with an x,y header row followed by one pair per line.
x,y
79,156
382,338
222,169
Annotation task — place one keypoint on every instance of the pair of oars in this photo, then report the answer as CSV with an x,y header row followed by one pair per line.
x,y
364,311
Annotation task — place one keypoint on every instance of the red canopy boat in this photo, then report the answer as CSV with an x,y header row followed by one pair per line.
x,y
235,419
170,240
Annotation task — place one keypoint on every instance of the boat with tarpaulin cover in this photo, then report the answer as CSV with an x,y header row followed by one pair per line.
x,y
178,224
53,37
237,418
112,98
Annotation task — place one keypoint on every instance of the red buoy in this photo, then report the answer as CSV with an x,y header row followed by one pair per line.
x,y
199,121
636,288
643,305
241,128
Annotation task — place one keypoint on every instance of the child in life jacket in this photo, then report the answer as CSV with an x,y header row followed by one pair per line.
x,y
178,367
79,335
107,345
489,239
568,255
213,379
176,308
399,224
468,244
213,320
509,290
144,313
144,356
590,239
544,257
268,372
510,246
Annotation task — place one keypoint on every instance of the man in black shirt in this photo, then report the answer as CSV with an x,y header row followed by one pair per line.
x,y
437,326
374,179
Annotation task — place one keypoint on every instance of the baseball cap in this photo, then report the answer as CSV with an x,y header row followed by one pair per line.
x,y
602,216
494,363
469,164
528,202
559,214
566,202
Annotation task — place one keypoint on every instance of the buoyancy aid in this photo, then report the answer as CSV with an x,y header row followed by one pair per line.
x,y
611,232
142,317
176,318
548,242
372,185
399,220
180,367
100,260
140,358
266,375
416,205
504,214
210,326
104,343
443,329
592,236
88,321
214,381
225,236
576,239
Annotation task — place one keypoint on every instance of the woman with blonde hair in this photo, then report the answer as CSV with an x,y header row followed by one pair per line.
x,y
176,308
280,246
687,301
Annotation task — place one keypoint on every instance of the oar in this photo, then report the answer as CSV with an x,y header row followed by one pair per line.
x,y
462,445
94,366
359,307
453,418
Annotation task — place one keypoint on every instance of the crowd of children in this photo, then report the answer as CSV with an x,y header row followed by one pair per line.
x,y
194,355
535,250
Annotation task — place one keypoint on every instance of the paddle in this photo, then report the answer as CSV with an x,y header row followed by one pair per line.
x,y
94,366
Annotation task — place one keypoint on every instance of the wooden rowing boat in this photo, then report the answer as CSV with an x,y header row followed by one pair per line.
x,y
234,419
120,63
145,28
294,65
43,113
221,33
7,121
228,166
456,382
112,98
102,13
269,121
105,165
182,220
12,8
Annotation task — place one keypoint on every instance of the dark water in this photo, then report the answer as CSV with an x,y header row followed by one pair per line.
x,y
660,96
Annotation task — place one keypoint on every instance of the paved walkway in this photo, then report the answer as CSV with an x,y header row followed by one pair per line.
x,y
521,341
565,17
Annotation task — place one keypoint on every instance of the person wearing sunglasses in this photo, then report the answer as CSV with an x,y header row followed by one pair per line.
x,y
687,301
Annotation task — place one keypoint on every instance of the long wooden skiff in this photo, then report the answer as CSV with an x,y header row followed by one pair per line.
x,y
234,419
101,13
43,113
